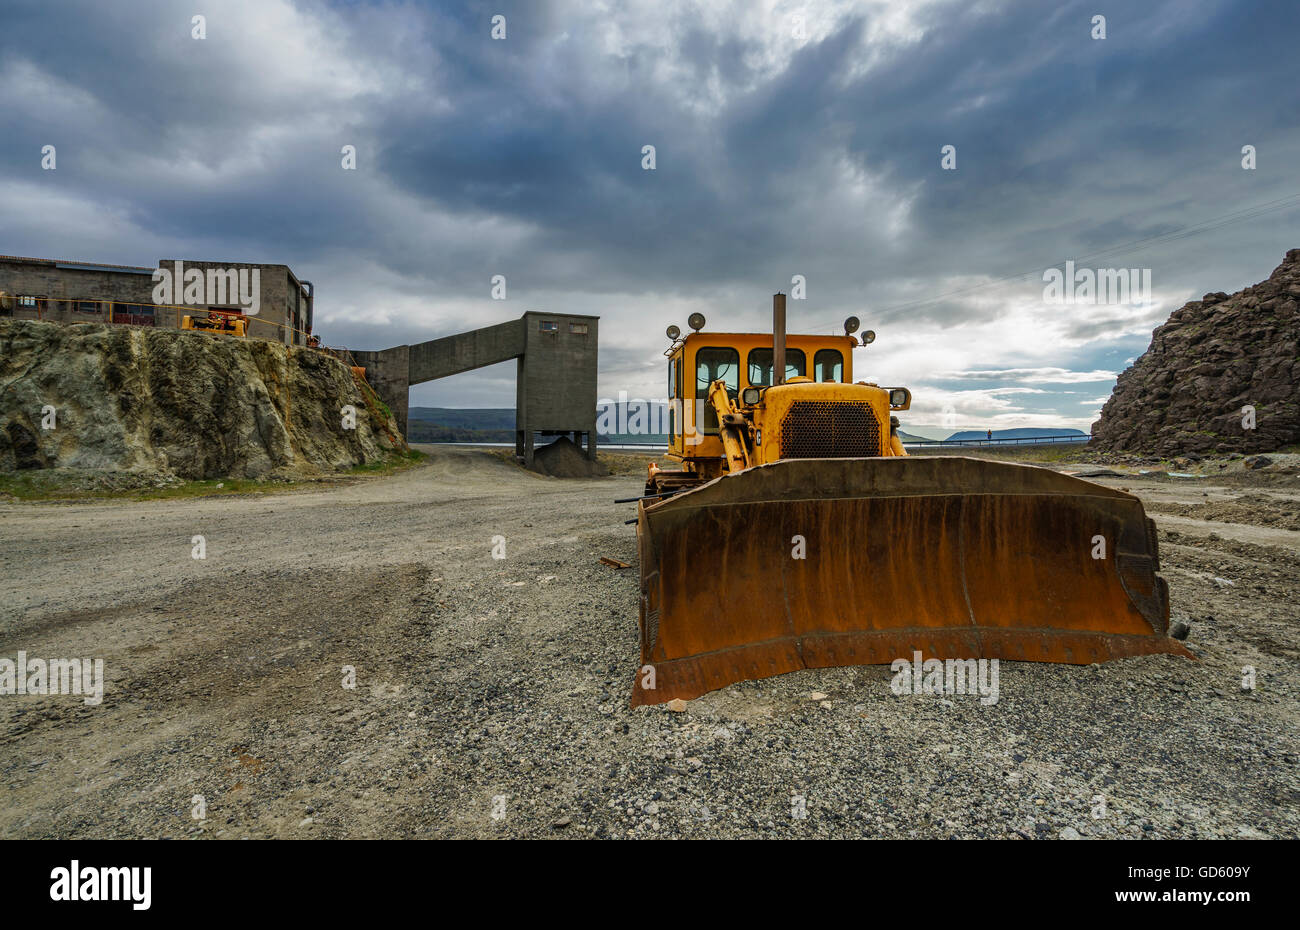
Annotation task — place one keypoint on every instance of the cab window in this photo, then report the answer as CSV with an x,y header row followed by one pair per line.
x,y
828,365
712,363
672,396
760,365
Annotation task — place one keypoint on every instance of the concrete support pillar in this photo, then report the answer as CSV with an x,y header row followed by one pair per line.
x,y
388,372
528,448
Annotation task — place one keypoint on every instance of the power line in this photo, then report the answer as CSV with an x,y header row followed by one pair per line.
x,y
1185,232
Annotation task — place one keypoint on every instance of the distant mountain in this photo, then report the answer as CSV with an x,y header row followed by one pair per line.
x,y
448,424
1019,433
927,432
452,418
631,421
615,423
423,431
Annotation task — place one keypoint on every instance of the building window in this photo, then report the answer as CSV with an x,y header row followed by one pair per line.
x,y
29,302
86,306
578,329
134,314
548,326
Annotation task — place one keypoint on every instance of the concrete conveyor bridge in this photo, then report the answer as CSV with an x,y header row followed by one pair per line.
x,y
555,389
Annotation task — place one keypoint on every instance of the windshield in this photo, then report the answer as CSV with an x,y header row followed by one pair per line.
x,y
760,365
711,364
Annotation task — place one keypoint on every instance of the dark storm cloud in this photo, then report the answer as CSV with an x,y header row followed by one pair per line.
x,y
1064,143
523,157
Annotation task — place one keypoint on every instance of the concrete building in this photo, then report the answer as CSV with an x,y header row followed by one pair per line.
x,y
88,292
555,390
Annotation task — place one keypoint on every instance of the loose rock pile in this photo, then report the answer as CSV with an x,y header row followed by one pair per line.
x,y
563,459
1212,358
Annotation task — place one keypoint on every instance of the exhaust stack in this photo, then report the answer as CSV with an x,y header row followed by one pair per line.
x,y
778,339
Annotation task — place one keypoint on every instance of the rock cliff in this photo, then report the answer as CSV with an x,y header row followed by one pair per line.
x,y
1212,358
193,405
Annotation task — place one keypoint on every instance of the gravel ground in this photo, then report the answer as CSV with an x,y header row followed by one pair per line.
x,y
1251,509
491,696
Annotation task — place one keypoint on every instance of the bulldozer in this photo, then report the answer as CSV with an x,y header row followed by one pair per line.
x,y
799,533
217,322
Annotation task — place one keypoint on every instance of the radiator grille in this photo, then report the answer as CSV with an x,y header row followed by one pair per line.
x,y
829,430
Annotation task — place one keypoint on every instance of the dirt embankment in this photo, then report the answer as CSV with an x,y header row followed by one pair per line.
x,y
190,405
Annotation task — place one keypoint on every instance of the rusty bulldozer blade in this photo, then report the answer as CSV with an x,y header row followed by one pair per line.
x,y
954,557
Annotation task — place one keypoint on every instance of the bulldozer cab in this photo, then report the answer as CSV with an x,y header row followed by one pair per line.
x,y
740,361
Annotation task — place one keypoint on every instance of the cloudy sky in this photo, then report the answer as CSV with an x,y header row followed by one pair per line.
x,y
800,138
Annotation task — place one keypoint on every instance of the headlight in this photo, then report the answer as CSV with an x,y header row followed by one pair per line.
x,y
750,396
899,398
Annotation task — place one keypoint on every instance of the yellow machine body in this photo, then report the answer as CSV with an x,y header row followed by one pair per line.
x,y
229,324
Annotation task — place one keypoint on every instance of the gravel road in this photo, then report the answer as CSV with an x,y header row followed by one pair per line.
x,y
491,695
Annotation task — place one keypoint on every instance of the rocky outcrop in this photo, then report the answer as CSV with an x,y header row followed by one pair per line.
x,y
192,405
1212,358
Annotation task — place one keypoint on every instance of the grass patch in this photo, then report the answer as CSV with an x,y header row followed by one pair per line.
x,y
398,461
35,485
